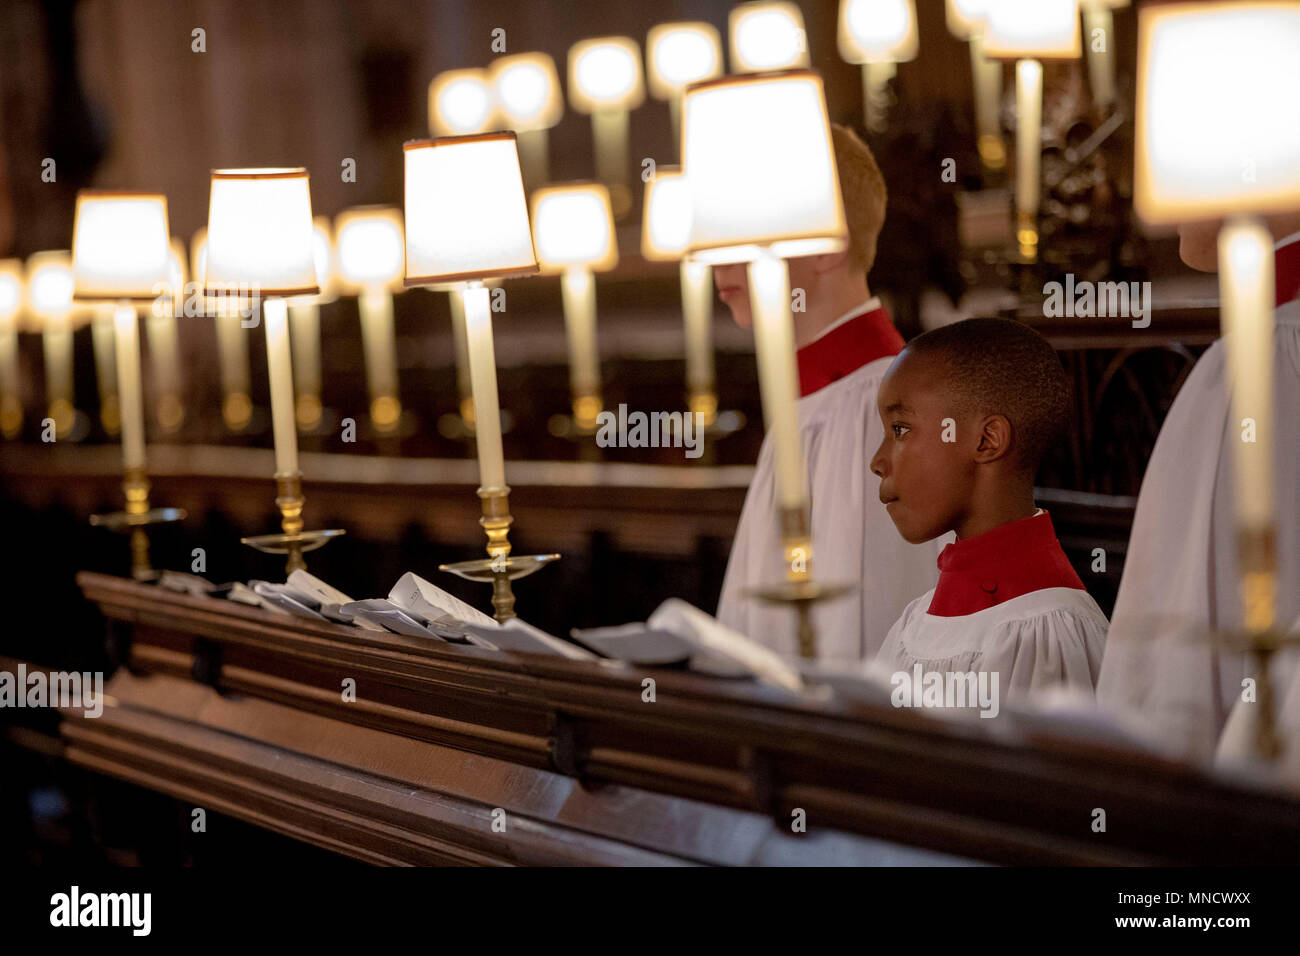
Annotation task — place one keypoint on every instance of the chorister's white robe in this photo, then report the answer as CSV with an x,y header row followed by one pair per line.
x,y
1160,674
853,539
1049,638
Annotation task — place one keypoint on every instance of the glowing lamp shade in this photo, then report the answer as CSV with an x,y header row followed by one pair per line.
x,y
1038,29
877,31
11,292
1210,141
966,18
763,136
527,90
679,54
50,285
466,215
666,221
260,232
371,248
461,102
573,225
766,36
121,248
605,74
323,255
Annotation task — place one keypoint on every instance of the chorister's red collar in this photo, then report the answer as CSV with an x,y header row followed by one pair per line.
x,y
1286,272
998,565
846,348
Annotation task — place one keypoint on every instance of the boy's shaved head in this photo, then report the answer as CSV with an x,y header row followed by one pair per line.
x,y
1003,367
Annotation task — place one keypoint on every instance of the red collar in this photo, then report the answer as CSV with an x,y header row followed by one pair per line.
x,y
1286,272
846,348
998,565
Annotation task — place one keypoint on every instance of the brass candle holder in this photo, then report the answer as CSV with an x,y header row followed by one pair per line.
x,y
500,567
799,590
137,517
293,542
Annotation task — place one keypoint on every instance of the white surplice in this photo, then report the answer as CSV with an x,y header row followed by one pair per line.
x,y
853,539
1053,637
1180,582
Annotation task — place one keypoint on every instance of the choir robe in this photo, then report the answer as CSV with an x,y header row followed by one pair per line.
x,y
853,539
1161,675
1007,602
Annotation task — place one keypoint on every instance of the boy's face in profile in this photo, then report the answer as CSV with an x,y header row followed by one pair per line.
x,y
732,281
925,482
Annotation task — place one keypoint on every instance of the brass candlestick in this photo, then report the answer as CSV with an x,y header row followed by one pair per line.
x,y
500,567
294,542
135,519
799,590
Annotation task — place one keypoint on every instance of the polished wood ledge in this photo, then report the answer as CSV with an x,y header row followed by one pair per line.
x,y
243,709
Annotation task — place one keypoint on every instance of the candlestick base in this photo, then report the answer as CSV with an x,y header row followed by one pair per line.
x,y
1262,646
294,541
500,567
137,517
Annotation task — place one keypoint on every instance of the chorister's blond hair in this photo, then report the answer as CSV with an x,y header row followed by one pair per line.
x,y
864,193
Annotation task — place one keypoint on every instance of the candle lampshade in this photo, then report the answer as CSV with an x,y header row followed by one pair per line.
x,y
461,102
324,255
11,306
679,54
11,291
766,35
605,74
466,221
51,286
779,122
1209,145
527,91
666,222
966,18
1038,29
573,226
260,233
877,31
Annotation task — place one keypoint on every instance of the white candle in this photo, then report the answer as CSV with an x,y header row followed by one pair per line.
x,y
101,334
463,386
697,312
1029,121
609,129
1246,287
1101,62
57,341
483,378
233,352
769,296
164,354
578,286
304,337
875,94
280,367
10,406
130,397
986,75
377,342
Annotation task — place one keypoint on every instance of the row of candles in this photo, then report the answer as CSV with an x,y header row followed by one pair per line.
x,y
467,222
362,255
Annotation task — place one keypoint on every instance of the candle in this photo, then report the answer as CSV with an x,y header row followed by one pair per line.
x,y
1101,63
280,367
578,286
11,413
102,339
875,94
376,307
987,77
165,363
609,129
1246,312
235,383
130,397
483,378
463,386
57,342
697,311
1029,121
769,295
304,339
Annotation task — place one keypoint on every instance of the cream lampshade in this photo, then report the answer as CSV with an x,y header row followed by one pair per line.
x,y
1209,146
878,34
232,346
11,306
665,236
1027,32
467,221
763,183
121,253
766,35
50,288
461,102
677,55
573,230
966,21
260,243
304,329
371,266
605,80
527,91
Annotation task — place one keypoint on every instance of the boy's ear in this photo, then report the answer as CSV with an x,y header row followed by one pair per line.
x,y
994,439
